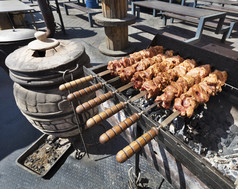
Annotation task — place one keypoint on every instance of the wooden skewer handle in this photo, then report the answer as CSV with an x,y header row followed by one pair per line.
x,y
136,145
75,83
104,115
85,91
116,130
94,102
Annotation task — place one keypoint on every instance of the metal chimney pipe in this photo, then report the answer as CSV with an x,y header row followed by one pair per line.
x,y
48,17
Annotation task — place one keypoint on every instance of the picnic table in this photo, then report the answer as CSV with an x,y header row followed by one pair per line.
x,y
15,6
202,15
231,19
222,2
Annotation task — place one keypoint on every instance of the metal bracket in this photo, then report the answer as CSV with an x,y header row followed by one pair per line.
x,y
78,117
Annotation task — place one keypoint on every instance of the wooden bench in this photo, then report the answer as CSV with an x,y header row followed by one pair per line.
x,y
83,9
208,24
200,16
232,20
154,31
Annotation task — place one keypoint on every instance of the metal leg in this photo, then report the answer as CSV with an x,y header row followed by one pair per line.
x,y
90,19
230,30
138,12
66,9
165,20
201,24
11,21
133,8
219,25
195,4
161,14
33,20
60,17
183,2
154,13
224,36
198,33
137,156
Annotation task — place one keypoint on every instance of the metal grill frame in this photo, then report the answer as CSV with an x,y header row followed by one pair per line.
x,y
181,152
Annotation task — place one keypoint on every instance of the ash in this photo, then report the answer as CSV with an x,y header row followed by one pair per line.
x,y
47,154
211,131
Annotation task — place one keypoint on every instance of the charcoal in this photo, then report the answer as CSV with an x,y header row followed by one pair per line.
x,y
234,129
172,128
131,92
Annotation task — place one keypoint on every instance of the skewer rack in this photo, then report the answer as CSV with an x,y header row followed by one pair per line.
x,y
176,147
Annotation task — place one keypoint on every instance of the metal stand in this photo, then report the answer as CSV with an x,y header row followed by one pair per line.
x,y
134,179
139,132
78,117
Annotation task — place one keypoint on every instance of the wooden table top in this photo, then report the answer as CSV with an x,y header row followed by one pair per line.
x,y
177,9
13,6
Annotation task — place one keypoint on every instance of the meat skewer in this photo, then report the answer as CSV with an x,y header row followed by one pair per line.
x,y
163,79
116,66
142,76
175,89
123,76
165,65
201,71
200,93
127,72
187,65
197,94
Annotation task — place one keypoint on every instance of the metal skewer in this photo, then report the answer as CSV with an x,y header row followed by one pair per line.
x,y
111,111
140,142
100,99
78,82
122,126
90,89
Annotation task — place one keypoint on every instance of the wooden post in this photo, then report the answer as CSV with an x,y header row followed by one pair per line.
x,y
115,20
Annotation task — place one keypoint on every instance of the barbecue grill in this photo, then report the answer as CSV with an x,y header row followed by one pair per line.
x,y
198,143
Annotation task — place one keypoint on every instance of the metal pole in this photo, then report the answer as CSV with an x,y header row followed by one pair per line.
x,y
48,17
137,156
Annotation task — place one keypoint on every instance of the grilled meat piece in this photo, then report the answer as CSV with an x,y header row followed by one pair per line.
x,y
140,77
127,73
163,79
175,89
117,65
200,93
